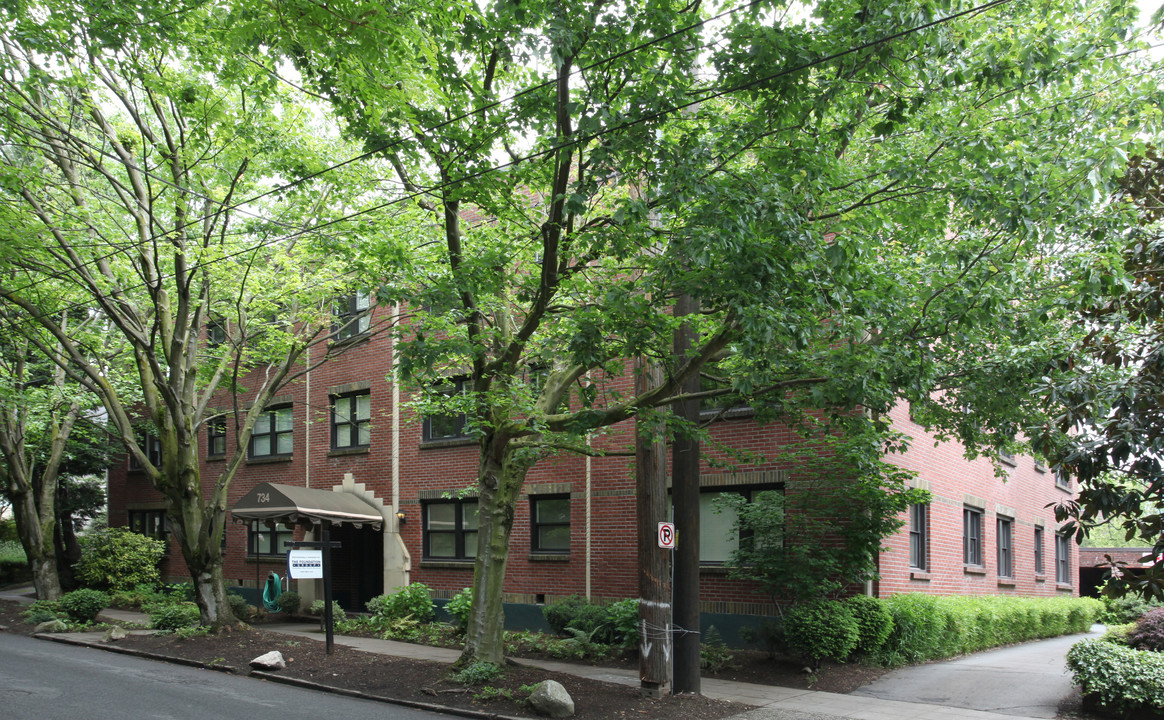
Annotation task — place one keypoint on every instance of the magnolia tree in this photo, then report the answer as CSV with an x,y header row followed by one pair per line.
x,y
124,167
863,202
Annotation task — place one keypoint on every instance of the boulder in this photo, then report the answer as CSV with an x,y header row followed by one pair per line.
x,y
551,699
51,626
271,661
115,633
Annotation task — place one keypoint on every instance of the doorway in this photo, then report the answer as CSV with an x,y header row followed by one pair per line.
x,y
357,566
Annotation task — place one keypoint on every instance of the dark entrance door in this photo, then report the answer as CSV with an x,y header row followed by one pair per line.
x,y
357,566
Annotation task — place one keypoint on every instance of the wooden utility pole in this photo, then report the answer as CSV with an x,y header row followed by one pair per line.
x,y
685,492
654,561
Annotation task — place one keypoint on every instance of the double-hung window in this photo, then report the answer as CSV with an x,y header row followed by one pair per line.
x,y
919,535
216,437
971,536
1004,542
353,315
1039,569
450,529
351,421
550,523
720,535
152,447
452,425
272,436
151,523
1063,558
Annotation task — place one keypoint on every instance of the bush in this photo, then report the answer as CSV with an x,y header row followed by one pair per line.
x,y
1123,610
928,627
477,673
118,559
289,602
238,605
874,623
414,601
459,606
1118,679
43,611
1149,632
84,604
559,614
821,630
1118,634
174,615
623,617
337,612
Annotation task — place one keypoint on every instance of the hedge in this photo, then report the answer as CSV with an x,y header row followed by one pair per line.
x,y
928,627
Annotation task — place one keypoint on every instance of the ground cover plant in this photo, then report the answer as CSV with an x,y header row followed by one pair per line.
x,y
1117,679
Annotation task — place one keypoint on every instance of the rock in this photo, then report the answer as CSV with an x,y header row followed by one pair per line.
x,y
51,626
271,661
550,698
115,633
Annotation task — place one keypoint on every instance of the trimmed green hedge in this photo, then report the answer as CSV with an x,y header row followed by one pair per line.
x,y
1119,680
927,627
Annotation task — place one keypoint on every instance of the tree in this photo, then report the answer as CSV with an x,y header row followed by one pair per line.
x,y
865,204
1109,422
124,159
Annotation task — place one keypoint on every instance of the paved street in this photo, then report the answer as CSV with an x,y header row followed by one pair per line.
x,y
48,681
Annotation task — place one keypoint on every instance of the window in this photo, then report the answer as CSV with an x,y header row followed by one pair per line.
x,y
216,437
918,536
1039,569
1062,479
351,421
264,540
1005,528
446,427
719,532
450,530
550,523
1063,558
352,316
272,434
971,536
151,523
152,447
216,332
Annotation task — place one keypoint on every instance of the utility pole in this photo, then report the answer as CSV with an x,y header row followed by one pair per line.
x,y
685,491
654,561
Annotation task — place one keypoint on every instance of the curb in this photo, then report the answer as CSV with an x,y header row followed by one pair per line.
x,y
261,675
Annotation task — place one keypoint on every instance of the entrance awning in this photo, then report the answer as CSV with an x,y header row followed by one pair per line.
x,y
299,505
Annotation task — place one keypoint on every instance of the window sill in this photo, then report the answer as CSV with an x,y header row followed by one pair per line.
x,y
974,569
1064,586
549,557
714,569
270,459
349,341
350,451
919,575
733,414
446,564
1007,582
215,458
259,559
1008,460
450,442
1040,577
1064,488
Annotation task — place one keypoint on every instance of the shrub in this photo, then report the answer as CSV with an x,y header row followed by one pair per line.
x,y
118,559
559,614
821,630
174,615
337,612
477,673
238,605
874,623
623,617
459,606
1149,632
714,654
289,602
412,600
1118,679
43,611
1118,634
84,604
1122,610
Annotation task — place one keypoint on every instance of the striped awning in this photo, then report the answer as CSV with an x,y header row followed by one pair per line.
x,y
295,505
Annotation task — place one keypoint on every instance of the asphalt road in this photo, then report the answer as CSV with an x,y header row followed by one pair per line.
x,y
48,681
1027,680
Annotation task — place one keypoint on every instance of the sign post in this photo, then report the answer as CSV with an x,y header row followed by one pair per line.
x,y
323,548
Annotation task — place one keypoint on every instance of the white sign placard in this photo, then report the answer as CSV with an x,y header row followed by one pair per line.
x,y
667,535
305,564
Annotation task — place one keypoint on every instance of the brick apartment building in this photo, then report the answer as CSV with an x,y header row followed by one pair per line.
x,y
345,427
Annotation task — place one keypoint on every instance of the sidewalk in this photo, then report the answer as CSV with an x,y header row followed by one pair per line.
x,y
769,702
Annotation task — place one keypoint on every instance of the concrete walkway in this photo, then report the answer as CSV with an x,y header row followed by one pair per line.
x,y
1031,664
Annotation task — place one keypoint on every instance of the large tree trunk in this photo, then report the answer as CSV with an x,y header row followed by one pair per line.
x,y
35,528
501,476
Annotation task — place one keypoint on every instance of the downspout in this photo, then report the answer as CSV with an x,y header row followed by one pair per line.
x,y
307,425
587,491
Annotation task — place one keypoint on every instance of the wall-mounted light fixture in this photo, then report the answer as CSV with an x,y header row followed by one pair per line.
x,y
401,517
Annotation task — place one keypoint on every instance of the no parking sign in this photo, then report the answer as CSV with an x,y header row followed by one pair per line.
x,y
667,535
